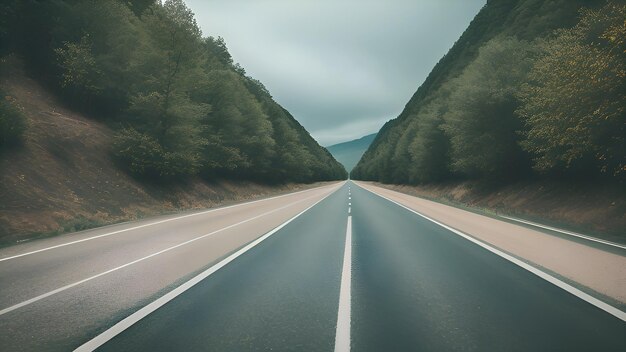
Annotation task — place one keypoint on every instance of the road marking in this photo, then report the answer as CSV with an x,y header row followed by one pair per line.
x,y
148,309
349,210
151,224
349,197
565,232
551,279
349,203
342,334
61,289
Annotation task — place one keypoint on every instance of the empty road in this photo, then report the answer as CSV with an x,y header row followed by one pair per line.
x,y
333,268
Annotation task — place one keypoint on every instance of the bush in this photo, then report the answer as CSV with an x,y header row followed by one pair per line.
x,y
12,122
143,156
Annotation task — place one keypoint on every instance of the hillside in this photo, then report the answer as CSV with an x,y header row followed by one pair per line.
x,y
179,105
62,177
508,45
349,153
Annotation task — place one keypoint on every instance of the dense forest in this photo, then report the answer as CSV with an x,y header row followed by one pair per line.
x,y
533,88
179,104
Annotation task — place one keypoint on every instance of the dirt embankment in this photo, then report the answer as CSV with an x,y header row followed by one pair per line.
x,y
62,178
598,210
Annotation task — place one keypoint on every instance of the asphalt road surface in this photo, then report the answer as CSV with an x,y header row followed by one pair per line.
x,y
333,268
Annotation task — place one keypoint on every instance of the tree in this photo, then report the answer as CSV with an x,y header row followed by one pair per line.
x,y
238,130
80,72
217,47
574,104
139,6
481,121
165,120
401,159
12,122
430,149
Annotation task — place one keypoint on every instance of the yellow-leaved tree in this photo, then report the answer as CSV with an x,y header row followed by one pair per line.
x,y
575,102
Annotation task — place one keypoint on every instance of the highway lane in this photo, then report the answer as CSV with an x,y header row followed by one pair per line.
x,y
148,258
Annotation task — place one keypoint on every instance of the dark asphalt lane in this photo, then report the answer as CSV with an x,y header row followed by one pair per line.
x,y
281,295
419,287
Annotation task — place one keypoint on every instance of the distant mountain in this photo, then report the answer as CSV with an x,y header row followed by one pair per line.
x,y
349,153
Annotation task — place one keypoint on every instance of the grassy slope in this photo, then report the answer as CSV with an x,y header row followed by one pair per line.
x,y
62,178
349,153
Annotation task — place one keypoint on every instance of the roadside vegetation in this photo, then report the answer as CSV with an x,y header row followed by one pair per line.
x,y
180,106
12,122
533,89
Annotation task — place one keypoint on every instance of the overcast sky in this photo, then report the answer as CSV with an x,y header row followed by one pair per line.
x,y
341,67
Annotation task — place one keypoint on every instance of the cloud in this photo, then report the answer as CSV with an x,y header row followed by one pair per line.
x,y
341,67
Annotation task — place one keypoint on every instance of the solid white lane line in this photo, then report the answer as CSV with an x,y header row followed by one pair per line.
x,y
146,310
342,334
60,289
565,232
551,279
152,224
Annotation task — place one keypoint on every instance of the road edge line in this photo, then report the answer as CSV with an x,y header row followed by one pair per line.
x,y
153,306
551,279
342,333
566,232
153,223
